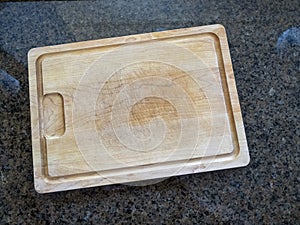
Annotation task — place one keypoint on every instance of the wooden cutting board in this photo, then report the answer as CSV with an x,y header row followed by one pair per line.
x,y
134,108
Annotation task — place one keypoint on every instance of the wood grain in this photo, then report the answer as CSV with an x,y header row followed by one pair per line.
x,y
134,108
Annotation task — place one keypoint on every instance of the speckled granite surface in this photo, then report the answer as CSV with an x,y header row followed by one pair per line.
x,y
264,40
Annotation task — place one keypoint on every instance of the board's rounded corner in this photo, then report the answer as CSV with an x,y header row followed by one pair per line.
x,y
41,185
219,30
244,159
38,188
248,160
34,54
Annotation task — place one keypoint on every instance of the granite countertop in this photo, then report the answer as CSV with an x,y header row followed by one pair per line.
x,y
264,39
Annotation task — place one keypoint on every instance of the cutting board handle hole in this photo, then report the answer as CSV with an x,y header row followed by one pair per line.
x,y
54,116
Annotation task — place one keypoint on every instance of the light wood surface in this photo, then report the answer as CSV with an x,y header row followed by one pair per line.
x,y
134,108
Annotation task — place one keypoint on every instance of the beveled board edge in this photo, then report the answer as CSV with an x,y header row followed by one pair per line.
x,y
238,158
